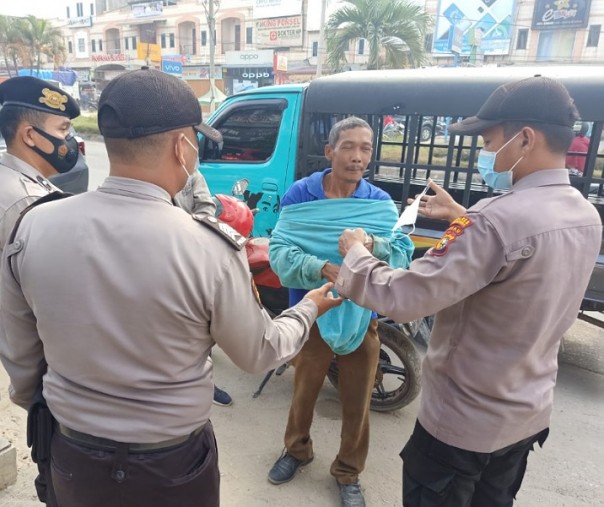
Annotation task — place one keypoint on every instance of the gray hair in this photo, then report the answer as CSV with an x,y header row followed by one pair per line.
x,y
352,122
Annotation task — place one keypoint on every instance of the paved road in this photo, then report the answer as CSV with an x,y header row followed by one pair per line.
x,y
567,472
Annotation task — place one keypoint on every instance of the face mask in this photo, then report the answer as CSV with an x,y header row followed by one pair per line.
x,y
409,214
65,153
190,175
486,168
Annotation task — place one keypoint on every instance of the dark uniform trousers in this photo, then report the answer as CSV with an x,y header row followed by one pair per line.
x,y
185,475
439,475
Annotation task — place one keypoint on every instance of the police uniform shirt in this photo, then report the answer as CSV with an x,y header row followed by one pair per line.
x,y
507,280
128,294
20,185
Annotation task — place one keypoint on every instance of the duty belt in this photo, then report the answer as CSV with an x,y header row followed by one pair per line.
x,y
108,444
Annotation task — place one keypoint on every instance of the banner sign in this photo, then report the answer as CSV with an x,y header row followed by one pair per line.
x,y
492,17
279,32
552,14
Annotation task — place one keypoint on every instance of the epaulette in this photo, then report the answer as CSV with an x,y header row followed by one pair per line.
x,y
223,230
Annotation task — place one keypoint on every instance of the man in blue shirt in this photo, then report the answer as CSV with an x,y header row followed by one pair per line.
x,y
303,252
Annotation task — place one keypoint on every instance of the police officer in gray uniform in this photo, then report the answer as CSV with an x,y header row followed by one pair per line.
x,y
35,122
138,293
505,282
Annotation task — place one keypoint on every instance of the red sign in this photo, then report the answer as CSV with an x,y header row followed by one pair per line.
x,y
119,57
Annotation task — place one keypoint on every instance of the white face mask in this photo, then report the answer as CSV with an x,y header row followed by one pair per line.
x,y
409,214
190,175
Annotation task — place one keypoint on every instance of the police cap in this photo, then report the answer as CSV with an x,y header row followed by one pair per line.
x,y
34,93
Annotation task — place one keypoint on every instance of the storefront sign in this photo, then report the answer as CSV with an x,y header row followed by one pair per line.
x,y
276,8
279,32
145,51
81,22
147,9
118,57
552,14
260,58
250,73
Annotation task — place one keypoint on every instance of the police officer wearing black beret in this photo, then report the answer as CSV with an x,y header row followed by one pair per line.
x,y
35,121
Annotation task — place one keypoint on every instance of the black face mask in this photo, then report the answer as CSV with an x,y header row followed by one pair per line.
x,y
65,153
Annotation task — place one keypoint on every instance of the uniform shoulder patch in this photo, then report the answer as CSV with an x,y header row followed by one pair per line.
x,y
456,229
223,230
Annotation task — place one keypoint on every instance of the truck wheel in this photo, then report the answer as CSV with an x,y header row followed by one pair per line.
x,y
398,378
426,132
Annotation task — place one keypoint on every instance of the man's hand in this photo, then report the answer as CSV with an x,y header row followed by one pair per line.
x,y
324,298
349,238
440,205
330,272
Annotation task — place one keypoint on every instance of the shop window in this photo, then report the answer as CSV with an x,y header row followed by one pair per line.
x,y
315,48
250,133
555,45
81,45
249,32
522,40
593,37
204,38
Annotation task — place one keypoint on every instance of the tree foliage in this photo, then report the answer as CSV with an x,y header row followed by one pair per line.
x,y
395,32
23,41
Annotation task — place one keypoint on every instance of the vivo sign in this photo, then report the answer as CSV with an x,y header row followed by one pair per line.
x,y
171,67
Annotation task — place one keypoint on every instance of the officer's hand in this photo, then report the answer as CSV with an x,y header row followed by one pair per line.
x,y
330,272
349,238
324,298
440,205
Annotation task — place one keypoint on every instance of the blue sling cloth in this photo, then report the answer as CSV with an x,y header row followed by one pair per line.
x,y
306,236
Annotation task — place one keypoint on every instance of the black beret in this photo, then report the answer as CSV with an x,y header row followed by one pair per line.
x,y
34,93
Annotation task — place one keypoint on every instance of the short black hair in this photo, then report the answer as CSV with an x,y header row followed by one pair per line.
x,y
12,116
557,137
352,122
131,150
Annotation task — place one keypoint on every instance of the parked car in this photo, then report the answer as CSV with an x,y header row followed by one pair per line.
x,y
74,181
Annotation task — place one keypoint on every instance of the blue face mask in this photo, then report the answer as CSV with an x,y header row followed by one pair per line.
x,y
486,168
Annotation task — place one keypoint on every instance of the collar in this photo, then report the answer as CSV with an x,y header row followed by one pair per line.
x,y
315,186
134,188
543,178
18,165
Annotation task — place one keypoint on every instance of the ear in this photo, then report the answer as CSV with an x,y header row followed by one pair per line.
x,y
328,152
26,133
529,138
179,148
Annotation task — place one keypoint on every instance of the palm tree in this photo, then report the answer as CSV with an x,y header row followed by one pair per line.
x,y
394,29
43,38
12,45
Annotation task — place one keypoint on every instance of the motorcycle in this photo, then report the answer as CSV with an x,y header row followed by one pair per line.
x,y
398,377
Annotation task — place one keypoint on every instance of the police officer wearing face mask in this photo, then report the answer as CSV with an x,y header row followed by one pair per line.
x,y
35,123
505,282
139,292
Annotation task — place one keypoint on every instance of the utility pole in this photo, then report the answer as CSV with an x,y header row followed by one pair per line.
x,y
211,28
321,39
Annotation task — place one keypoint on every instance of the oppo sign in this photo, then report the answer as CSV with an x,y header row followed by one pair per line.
x,y
255,75
261,58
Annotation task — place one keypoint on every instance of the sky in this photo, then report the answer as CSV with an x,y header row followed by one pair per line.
x,y
39,8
